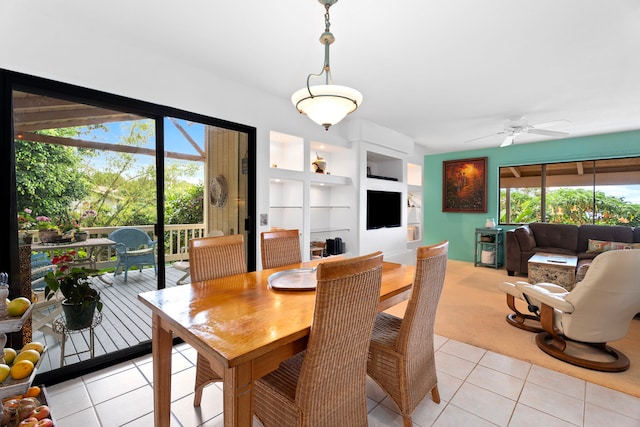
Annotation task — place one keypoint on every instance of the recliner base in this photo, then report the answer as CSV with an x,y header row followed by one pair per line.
x,y
555,346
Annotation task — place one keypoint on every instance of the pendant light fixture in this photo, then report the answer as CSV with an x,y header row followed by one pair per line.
x,y
326,104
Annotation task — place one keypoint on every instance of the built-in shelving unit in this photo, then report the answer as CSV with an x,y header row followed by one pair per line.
x,y
320,205
414,204
334,203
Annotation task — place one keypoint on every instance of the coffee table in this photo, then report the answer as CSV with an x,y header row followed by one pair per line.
x,y
553,268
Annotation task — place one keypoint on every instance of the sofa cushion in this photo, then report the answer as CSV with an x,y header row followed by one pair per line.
x,y
525,238
560,236
597,246
610,233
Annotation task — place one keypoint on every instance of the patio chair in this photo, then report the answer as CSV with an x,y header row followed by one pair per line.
x,y
44,311
281,247
211,258
401,355
325,385
133,247
183,264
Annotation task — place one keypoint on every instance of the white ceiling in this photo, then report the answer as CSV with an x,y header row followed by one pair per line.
x,y
442,72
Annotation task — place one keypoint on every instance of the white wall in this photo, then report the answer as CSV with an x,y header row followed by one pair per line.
x,y
101,61
63,49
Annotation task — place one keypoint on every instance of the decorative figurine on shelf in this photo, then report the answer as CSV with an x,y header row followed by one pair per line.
x,y
319,164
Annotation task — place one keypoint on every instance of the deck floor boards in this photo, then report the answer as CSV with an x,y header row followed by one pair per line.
x,y
125,320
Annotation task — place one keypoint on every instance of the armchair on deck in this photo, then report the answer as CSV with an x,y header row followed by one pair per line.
x,y
133,247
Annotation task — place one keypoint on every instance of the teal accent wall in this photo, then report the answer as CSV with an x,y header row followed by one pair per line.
x,y
459,228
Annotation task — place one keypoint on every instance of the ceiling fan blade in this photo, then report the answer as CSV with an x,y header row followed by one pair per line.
x,y
483,137
507,141
548,132
550,124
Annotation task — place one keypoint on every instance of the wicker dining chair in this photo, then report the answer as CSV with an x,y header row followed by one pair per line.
x,y
401,355
325,385
281,247
211,258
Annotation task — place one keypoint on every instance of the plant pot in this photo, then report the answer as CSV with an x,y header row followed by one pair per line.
x,y
80,236
78,317
48,236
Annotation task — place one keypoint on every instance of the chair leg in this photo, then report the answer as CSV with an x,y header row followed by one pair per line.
x,y
205,375
518,319
435,394
181,280
407,421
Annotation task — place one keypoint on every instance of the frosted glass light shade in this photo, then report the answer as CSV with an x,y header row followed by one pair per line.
x,y
329,103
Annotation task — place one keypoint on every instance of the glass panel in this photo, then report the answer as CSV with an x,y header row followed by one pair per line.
x,y
206,188
83,168
569,193
520,194
617,191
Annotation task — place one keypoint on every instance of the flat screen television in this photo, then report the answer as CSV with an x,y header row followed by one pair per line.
x,y
384,209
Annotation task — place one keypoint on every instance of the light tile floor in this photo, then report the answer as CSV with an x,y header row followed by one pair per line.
x,y
477,388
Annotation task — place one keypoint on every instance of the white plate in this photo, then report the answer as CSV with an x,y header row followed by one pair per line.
x,y
298,279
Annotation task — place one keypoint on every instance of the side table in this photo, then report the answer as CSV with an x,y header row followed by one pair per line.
x,y
60,327
488,240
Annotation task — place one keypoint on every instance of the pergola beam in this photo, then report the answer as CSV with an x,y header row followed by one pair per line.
x,y
79,143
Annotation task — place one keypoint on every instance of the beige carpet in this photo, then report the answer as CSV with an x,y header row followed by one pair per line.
x,y
472,310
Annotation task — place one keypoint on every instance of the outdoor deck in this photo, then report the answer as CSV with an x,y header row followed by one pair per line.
x,y
125,321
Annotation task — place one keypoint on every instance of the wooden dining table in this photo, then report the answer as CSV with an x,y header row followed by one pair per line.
x,y
243,327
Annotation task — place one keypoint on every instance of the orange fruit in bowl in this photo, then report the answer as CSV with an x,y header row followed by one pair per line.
x,y
22,369
33,391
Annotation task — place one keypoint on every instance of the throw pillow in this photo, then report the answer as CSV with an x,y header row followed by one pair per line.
x,y
603,246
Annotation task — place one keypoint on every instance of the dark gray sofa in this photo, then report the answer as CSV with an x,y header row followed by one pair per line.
x,y
566,239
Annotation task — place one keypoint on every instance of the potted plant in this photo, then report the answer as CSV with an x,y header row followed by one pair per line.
x,y
80,298
25,224
47,231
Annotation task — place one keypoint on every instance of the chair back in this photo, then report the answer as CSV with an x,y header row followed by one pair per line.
x,y
213,257
415,337
332,381
41,264
420,314
281,247
606,300
130,239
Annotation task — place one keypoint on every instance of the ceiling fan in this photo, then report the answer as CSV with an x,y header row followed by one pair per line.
x,y
513,128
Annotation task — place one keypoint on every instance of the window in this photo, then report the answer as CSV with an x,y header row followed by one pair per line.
x,y
582,192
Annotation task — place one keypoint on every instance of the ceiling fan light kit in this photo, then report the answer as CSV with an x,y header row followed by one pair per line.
x,y
326,104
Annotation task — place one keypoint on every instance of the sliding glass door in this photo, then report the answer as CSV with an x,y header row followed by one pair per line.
x,y
87,164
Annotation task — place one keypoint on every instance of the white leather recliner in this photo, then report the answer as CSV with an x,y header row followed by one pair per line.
x,y
598,310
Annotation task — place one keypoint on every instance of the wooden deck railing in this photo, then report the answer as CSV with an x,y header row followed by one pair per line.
x,y
174,245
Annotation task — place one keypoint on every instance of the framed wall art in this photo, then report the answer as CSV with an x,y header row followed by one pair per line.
x,y
464,185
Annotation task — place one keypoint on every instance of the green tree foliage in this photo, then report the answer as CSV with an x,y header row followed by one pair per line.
x,y
60,181
49,177
185,205
570,206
